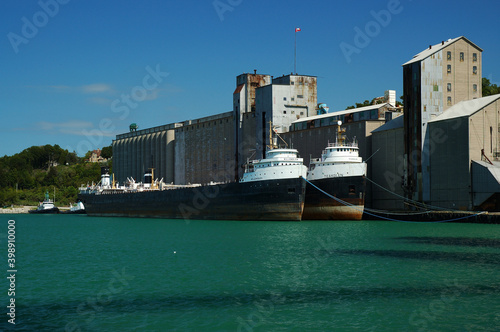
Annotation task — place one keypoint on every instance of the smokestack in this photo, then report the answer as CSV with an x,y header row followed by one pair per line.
x,y
430,46
442,43
255,71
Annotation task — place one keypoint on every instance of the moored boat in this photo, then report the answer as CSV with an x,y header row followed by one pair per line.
x,y
336,183
46,207
77,208
272,188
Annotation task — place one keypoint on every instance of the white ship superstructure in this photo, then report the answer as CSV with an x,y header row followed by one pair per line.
x,y
337,160
278,164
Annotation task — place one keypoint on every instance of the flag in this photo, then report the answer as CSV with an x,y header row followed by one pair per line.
x,y
297,29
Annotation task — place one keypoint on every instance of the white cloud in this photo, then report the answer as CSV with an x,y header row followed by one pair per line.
x,y
74,127
96,88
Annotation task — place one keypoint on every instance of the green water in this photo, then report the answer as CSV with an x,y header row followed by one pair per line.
x,y
115,274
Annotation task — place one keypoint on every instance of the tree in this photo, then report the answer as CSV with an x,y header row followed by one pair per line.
x,y
107,152
489,88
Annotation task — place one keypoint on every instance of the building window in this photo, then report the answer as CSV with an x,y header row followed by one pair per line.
x,y
448,87
474,57
448,55
449,101
474,70
448,69
461,56
474,87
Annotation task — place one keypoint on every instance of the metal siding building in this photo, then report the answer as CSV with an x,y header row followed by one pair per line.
x,y
387,166
465,133
434,80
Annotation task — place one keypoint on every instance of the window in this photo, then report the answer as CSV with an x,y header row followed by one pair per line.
x,y
474,57
461,56
448,55
474,70
448,69
474,87
293,99
284,112
448,87
449,101
284,98
300,96
436,87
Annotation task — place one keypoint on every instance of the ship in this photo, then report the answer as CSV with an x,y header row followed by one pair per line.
x,y
46,207
336,182
272,188
77,208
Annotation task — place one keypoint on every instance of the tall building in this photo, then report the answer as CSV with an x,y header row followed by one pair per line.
x,y
244,115
287,99
434,80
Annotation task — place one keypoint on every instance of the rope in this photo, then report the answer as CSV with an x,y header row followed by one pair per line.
x,y
387,218
416,203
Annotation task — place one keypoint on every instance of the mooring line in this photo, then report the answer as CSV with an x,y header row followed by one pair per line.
x,y
387,218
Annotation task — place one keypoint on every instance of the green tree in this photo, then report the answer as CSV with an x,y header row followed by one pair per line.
x,y
107,152
489,88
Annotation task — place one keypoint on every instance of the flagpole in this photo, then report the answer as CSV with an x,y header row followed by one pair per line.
x,y
295,53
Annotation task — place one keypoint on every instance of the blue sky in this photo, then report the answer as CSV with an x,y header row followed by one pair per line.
x,y
76,73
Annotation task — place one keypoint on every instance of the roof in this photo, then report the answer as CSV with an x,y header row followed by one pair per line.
x,y
436,48
238,89
350,111
393,124
466,108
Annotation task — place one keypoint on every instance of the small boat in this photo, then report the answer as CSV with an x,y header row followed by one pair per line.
x,y
77,208
46,207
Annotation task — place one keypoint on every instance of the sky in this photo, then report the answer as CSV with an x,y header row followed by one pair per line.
x,y
78,72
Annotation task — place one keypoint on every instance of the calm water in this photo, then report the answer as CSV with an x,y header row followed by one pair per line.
x,y
115,274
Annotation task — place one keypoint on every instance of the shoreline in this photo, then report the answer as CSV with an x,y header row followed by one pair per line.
x,y
24,209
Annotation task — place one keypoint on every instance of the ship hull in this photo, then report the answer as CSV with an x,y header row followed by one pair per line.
x,y
45,211
281,200
319,206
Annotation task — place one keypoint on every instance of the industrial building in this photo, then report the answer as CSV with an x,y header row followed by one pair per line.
x,y
445,122
433,81
466,137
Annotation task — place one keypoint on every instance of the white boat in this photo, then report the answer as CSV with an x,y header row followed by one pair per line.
x,y
47,206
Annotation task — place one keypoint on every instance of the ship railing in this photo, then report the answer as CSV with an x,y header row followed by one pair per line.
x,y
351,144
